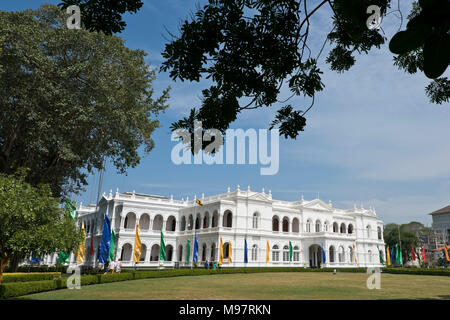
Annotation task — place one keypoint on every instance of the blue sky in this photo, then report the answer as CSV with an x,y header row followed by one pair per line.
x,y
372,137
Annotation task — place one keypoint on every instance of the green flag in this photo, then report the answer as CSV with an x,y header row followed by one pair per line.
x,y
290,251
112,248
63,257
188,250
70,206
162,248
381,255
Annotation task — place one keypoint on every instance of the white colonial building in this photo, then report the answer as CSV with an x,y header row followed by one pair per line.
x,y
235,216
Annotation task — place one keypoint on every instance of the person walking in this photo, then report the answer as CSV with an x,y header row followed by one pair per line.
x,y
118,266
111,267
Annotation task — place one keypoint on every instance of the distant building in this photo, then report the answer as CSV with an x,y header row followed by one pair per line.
x,y
441,222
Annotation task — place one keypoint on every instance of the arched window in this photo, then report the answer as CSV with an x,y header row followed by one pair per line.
x,y
350,228
351,256
341,254
296,254
206,220
275,224
255,253
204,252
318,225
335,227
190,222
275,253
255,220
285,253
369,253
180,253
228,219
144,222
226,250
295,225
215,219
143,253
325,226
369,231
126,252
183,223
171,224
154,256
308,225
169,252
332,253
285,224
343,228
379,233
157,222
213,252
130,221
197,222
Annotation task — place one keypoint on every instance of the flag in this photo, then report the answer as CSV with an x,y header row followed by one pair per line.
x,y
245,251
354,250
400,256
71,208
397,255
413,253
230,251
34,259
381,255
267,252
290,251
388,256
406,255
393,255
195,254
199,202
446,252
63,257
137,245
323,255
162,248
424,256
106,241
188,250
82,248
92,245
220,252
112,249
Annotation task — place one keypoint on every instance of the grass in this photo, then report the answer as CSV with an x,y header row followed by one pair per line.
x,y
259,286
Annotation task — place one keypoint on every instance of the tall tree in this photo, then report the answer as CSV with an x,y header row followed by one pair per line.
x,y
251,48
30,221
69,99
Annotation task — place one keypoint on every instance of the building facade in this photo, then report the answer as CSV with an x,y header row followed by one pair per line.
x,y
350,238
441,222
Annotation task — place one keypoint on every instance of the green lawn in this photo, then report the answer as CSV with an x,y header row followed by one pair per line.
x,y
302,285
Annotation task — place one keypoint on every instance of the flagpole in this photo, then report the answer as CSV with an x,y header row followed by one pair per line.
x,y
400,241
193,228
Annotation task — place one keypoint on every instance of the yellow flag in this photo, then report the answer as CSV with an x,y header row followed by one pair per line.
x,y
229,252
354,250
137,246
220,252
388,256
82,248
267,252
446,253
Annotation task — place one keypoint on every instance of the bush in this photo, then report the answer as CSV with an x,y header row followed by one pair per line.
x,y
24,277
14,289
418,271
105,278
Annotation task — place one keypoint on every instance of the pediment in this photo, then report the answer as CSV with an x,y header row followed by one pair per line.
x,y
259,197
317,204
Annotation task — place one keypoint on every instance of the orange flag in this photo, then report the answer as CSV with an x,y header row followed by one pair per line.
x,y
446,252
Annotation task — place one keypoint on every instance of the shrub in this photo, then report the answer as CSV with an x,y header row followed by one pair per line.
x,y
14,289
104,278
24,277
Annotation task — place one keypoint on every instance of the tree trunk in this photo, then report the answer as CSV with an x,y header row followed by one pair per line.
x,y
4,260
15,262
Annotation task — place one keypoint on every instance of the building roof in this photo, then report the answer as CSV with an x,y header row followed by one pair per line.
x,y
443,210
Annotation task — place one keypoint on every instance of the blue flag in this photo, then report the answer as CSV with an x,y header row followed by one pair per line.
x,y
34,259
195,258
392,256
106,241
323,255
245,252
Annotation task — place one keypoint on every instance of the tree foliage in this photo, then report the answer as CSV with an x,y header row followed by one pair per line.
x,y
69,99
30,220
408,234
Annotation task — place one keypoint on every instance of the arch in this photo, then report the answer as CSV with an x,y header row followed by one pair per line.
x,y
215,219
169,252
332,254
315,256
206,220
226,250
369,253
275,253
308,225
351,254
180,252
343,227
157,222
127,249
350,229
190,222
228,219
341,254
255,220
285,224
335,227
171,223
326,225
275,223
144,222
296,252
286,253
143,253
154,255
369,231
254,252
380,235
198,220
213,252
183,223
130,221
204,252
295,225
318,225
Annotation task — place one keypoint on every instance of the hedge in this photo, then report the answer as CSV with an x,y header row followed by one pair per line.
x,y
419,271
29,269
26,277
14,289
